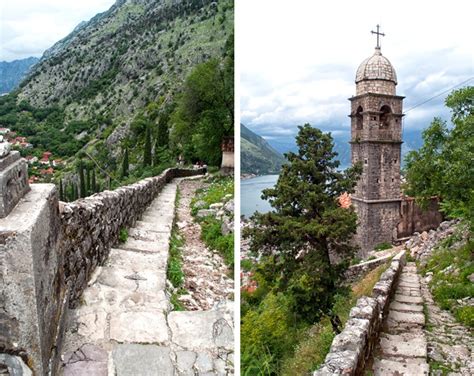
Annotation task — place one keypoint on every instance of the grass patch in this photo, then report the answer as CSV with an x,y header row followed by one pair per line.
x,y
383,246
123,235
451,263
212,236
246,265
215,192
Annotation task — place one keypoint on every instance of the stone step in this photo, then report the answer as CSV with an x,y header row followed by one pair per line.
x,y
407,345
403,307
135,261
406,317
412,367
139,327
146,281
153,226
408,299
143,360
199,330
144,246
147,235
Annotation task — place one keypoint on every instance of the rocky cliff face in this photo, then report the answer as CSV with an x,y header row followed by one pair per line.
x,y
136,52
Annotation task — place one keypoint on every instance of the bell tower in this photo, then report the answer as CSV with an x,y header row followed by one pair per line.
x,y
376,138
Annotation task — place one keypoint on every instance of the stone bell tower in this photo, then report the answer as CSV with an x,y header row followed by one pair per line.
x,y
376,138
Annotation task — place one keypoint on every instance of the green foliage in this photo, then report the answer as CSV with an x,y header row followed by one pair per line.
x,y
123,235
305,225
215,192
82,183
212,236
383,246
267,334
204,112
147,148
125,164
452,263
443,166
175,272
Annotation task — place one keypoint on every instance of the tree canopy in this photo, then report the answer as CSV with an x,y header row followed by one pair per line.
x,y
444,165
307,226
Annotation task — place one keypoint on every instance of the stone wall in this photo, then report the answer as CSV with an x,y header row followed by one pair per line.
x,y
353,346
48,251
355,272
415,219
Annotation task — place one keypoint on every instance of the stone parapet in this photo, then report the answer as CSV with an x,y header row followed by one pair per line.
x,y
351,348
13,181
48,252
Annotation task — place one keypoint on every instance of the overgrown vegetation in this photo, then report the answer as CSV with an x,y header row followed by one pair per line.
x,y
123,235
444,165
452,266
219,189
298,286
383,246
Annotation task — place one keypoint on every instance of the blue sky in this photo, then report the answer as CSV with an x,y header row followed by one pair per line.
x,y
298,59
29,27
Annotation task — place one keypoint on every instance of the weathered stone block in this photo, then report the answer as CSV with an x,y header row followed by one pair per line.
x,y
13,182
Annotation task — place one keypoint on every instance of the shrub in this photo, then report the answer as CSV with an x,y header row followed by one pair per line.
x,y
383,246
123,235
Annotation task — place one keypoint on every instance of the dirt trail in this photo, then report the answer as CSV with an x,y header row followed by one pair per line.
x,y
206,274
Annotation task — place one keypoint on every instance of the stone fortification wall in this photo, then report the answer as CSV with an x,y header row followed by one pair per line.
x,y
90,226
415,219
352,347
355,272
48,251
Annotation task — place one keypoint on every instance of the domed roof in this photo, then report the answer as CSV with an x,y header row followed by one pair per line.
x,y
376,67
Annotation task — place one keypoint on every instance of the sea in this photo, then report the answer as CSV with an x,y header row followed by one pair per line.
x,y
251,192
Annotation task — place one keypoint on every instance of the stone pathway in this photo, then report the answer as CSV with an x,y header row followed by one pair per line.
x,y
450,345
206,274
124,325
402,348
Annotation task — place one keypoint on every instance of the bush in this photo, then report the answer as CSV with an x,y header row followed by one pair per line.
x,y
465,315
123,235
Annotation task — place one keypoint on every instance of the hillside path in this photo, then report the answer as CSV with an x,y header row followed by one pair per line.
x,y
206,274
450,344
402,348
124,325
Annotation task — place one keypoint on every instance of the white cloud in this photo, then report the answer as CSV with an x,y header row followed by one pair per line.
x,y
29,27
298,59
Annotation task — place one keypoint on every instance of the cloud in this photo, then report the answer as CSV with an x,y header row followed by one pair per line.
x,y
298,60
29,27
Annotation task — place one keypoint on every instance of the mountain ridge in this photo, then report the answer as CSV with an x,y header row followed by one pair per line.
x,y
12,72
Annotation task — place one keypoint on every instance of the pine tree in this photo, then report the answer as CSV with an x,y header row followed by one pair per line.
x,y
124,165
147,149
82,183
306,225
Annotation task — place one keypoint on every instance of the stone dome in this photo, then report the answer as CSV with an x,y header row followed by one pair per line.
x,y
376,67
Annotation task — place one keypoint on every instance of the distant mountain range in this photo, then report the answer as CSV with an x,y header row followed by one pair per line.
x,y
12,72
257,155
411,141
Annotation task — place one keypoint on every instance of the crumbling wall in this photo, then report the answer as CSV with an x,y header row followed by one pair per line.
x,y
413,218
351,348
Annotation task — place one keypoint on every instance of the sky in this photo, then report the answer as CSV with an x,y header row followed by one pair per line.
x,y
29,27
298,59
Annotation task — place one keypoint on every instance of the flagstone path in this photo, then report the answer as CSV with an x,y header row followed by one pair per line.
x,y
124,325
402,349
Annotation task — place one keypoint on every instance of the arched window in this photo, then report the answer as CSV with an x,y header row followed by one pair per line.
x,y
385,116
359,118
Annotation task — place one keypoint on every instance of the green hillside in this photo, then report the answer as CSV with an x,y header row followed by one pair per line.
x,y
257,156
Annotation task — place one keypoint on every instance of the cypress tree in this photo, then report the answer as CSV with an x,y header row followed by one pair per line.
x,y
147,150
61,191
74,191
88,181
124,165
94,183
82,182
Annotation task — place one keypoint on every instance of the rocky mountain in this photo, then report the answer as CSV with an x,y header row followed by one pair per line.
x,y
136,53
257,156
12,72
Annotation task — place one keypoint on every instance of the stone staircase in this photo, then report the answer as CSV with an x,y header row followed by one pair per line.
x,y
402,349
124,324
